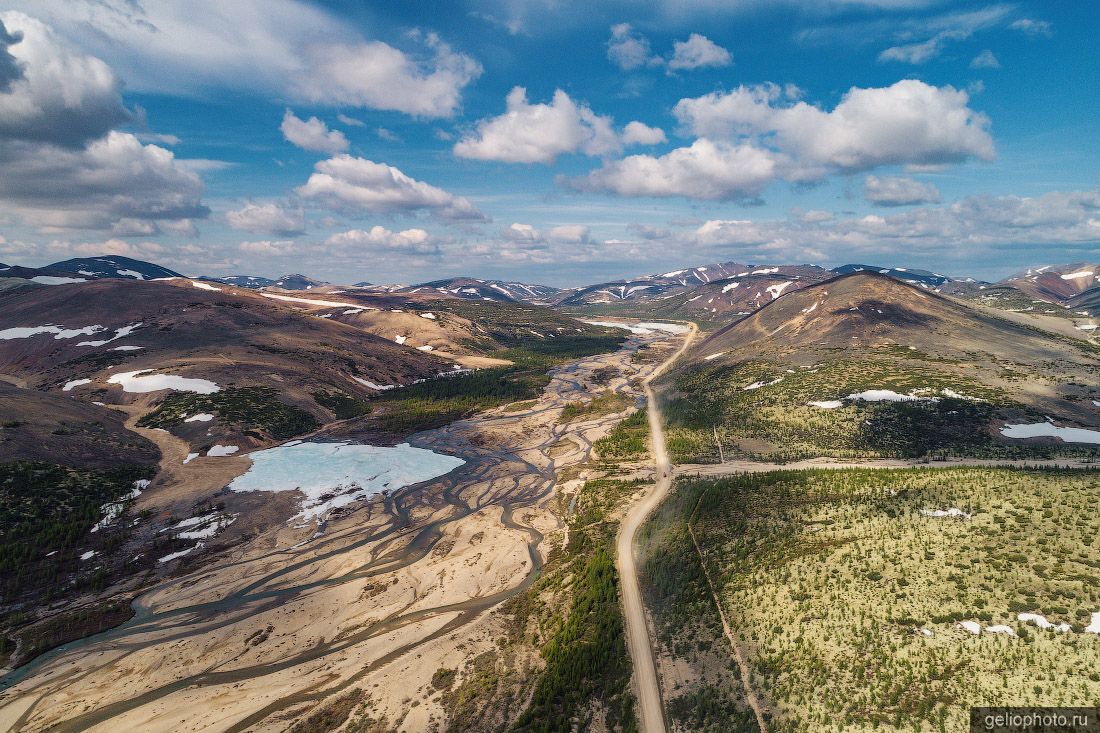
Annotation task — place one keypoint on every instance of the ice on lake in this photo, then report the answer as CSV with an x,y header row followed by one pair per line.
x,y
332,475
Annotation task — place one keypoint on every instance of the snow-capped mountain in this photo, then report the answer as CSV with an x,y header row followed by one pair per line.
x,y
113,267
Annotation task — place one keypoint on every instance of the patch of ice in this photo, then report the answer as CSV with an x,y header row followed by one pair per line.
x,y
429,316
1041,621
826,404
207,527
190,457
424,348
777,289
727,288
56,280
332,475
972,626
181,553
765,271
119,333
88,555
711,357
1087,327
1000,629
1077,275
218,451
128,348
201,417
75,383
1047,430
882,395
59,332
1094,624
371,385
941,513
205,286
136,382
758,385
666,327
309,301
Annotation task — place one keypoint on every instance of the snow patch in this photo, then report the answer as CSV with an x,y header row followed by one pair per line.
x,y
75,383
205,286
217,451
371,385
201,417
54,280
136,382
942,513
826,404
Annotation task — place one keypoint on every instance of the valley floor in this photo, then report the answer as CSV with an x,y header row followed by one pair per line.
x,y
372,606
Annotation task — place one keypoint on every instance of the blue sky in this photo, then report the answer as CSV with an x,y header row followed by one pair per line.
x,y
559,142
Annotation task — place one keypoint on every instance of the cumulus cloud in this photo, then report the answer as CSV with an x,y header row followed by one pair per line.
x,y
985,60
377,75
312,134
899,191
705,170
51,92
909,122
408,241
629,50
64,165
286,48
539,133
638,133
562,234
344,182
752,136
698,52
267,218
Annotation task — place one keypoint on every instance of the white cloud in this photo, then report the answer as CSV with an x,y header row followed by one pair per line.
x,y
940,30
985,60
539,133
268,218
562,234
350,121
1033,27
638,133
377,75
629,50
570,234
269,247
287,48
898,191
312,134
705,170
387,135
345,182
959,230
909,122
698,52
64,166
53,93
411,241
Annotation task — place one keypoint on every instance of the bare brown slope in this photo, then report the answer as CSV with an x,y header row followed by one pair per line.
x,y
39,426
230,336
866,310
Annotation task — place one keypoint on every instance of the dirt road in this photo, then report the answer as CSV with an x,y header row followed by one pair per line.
x,y
650,710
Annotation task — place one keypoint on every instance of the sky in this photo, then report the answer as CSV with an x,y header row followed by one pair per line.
x,y
549,141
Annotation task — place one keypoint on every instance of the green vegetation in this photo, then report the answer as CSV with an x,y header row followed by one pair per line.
x,y
44,509
605,403
845,597
436,402
689,629
574,607
247,407
759,410
70,625
342,405
628,441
